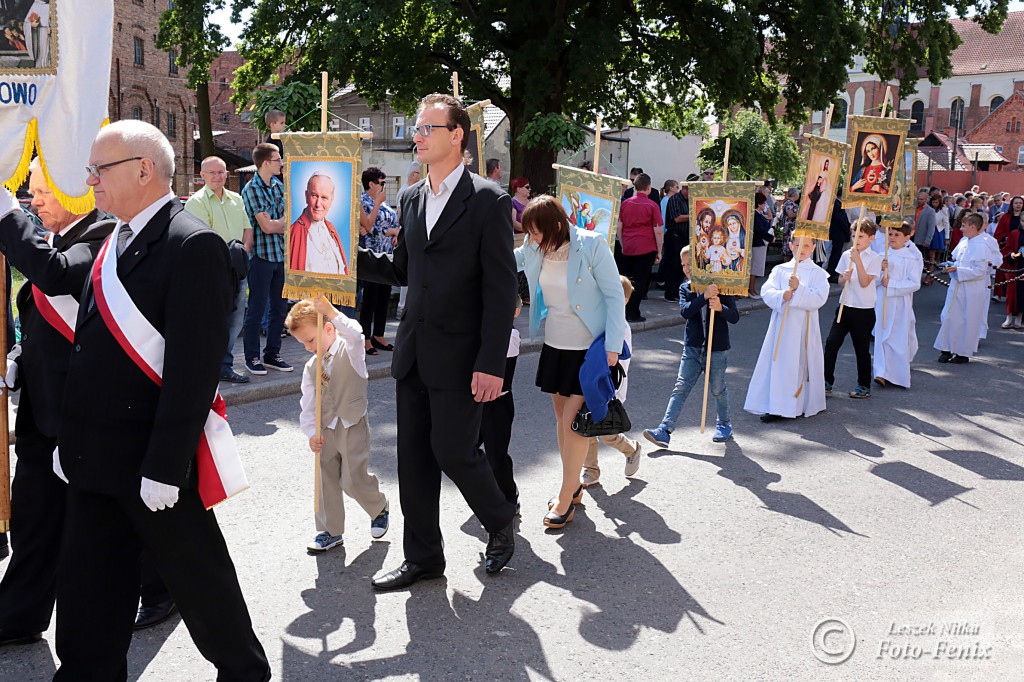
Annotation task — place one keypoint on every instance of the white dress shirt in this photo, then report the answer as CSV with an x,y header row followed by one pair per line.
x,y
349,338
49,235
437,202
142,219
322,252
856,295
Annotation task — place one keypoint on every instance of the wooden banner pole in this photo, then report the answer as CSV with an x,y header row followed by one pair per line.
x,y
323,101
319,331
785,311
885,287
455,84
597,146
828,120
885,102
5,448
709,344
856,234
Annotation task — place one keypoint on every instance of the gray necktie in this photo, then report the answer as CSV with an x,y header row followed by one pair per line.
x,y
123,235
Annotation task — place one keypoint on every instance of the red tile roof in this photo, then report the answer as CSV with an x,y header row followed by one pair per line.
x,y
981,52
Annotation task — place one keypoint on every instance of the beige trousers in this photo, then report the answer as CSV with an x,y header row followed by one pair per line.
x,y
619,441
343,469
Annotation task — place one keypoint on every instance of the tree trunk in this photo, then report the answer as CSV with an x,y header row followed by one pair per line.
x,y
533,164
206,147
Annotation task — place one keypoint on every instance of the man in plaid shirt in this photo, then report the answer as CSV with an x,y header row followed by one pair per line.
x,y
264,204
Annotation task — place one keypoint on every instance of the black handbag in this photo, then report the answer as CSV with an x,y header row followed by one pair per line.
x,y
615,422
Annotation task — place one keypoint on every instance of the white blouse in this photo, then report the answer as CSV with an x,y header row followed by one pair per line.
x,y
563,329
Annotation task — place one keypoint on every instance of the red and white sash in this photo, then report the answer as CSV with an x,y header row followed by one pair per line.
x,y
219,467
60,311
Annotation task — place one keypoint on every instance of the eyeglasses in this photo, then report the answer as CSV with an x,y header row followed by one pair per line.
x,y
427,128
526,187
95,170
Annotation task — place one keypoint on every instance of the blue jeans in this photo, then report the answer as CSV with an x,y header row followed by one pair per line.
x,y
266,279
691,366
235,326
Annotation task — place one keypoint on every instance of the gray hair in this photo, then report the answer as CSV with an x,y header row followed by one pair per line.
x,y
318,174
145,140
35,165
792,192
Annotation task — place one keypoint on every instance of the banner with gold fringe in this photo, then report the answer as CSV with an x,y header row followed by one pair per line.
x,y
721,235
473,157
821,180
323,191
903,200
591,200
55,59
875,149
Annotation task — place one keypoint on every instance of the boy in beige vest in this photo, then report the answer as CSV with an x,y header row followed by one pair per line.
x,y
344,446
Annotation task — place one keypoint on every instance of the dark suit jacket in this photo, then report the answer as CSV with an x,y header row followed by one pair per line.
x,y
117,425
839,226
43,365
462,284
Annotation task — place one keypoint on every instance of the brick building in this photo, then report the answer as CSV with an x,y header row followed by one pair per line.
x,y
145,83
232,131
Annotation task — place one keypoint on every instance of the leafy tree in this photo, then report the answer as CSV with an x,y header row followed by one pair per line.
x,y
758,149
185,27
299,101
641,60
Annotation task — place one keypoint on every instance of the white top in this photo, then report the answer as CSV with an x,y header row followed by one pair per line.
x,y
350,336
856,295
49,235
563,329
942,221
437,202
514,341
322,252
140,221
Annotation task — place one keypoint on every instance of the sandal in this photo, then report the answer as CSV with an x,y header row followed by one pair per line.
x,y
371,351
380,346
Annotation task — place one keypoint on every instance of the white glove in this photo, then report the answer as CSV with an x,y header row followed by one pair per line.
x,y
11,377
56,465
157,496
8,204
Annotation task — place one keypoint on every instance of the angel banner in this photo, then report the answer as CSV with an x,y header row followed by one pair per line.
x,y
876,149
906,187
821,180
54,59
323,190
591,200
721,235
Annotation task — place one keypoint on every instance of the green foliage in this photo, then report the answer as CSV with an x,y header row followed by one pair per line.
x,y
553,132
758,150
185,28
299,101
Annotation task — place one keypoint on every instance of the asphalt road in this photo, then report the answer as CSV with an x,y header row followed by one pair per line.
x,y
715,562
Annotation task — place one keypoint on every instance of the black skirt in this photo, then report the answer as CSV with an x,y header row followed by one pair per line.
x,y
558,371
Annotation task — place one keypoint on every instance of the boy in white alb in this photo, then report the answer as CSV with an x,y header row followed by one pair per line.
x,y
896,332
791,385
344,446
967,295
859,269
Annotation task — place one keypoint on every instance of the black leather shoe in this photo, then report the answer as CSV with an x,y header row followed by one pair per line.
x,y
150,616
945,356
768,418
959,360
11,639
405,575
500,547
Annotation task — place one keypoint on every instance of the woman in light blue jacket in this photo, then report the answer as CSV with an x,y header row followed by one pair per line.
x,y
574,284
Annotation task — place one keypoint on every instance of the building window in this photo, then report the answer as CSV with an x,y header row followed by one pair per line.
x,y
364,123
224,118
839,112
1020,156
917,113
156,117
172,126
137,113
399,127
995,103
956,113
223,83
140,56
173,66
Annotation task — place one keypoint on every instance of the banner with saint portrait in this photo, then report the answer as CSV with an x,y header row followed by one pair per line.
x,y
323,190
821,180
473,157
49,105
903,200
875,151
721,235
591,200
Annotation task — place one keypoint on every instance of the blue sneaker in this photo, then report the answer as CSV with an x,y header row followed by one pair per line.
x,y
379,525
723,432
323,542
659,436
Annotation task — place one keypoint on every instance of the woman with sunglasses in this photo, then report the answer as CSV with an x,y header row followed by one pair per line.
x,y
520,190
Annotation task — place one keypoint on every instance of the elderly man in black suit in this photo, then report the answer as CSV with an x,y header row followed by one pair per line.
x,y
127,446
455,254
56,268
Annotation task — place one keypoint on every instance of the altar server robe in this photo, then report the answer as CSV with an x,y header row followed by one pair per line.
x,y
966,307
896,339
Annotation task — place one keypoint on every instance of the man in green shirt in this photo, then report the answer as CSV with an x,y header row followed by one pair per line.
x,y
224,211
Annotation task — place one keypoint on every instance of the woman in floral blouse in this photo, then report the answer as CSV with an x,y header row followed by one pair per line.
x,y
378,231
